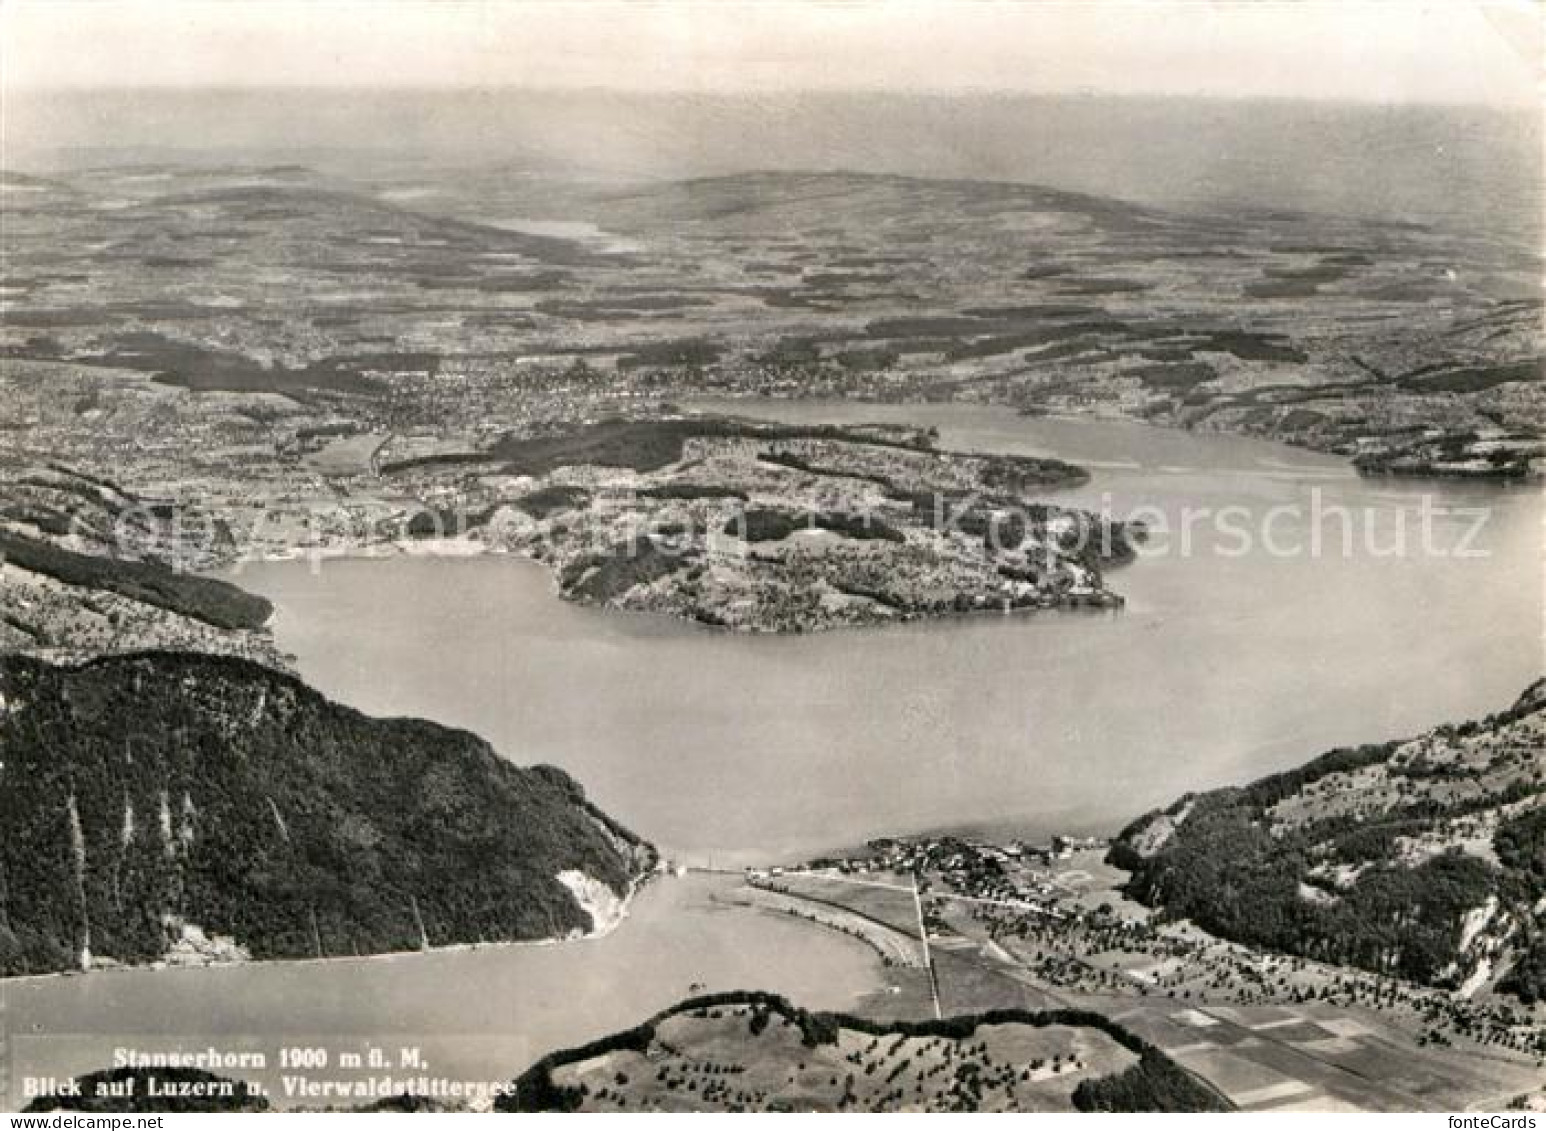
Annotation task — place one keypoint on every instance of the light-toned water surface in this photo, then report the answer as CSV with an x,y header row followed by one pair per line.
x,y
729,748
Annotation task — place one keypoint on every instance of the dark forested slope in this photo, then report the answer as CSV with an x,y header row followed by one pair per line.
x,y
1423,858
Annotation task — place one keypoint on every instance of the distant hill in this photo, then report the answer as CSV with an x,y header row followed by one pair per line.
x,y
197,807
1424,858
217,603
17,182
88,567
89,514
1415,348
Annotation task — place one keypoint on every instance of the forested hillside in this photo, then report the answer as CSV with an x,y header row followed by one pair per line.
x,y
1425,858
208,806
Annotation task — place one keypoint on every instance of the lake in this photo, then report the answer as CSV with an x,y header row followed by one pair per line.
x,y
481,1014
731,749
1222,667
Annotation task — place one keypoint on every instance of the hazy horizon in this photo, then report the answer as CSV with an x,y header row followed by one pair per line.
x,y
1484,52
1398,110
1475,168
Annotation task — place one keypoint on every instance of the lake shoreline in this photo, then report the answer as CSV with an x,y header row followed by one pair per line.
x,y
479,1013
1382,463
777,695
636,885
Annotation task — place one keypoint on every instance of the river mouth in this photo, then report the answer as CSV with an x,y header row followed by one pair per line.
x,y
736,750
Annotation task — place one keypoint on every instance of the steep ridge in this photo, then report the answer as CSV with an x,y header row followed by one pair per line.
x,y
1424,858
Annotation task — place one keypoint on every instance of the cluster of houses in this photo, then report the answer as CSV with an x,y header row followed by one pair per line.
x,y
972,867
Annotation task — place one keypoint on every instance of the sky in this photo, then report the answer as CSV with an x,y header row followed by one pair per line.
x,y
1441,51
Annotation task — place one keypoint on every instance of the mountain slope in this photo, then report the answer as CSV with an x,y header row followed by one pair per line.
x,y
1424,858
87,568
165,804
752,1051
